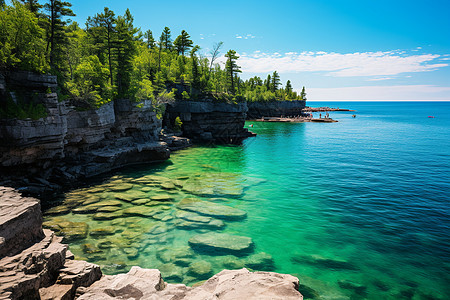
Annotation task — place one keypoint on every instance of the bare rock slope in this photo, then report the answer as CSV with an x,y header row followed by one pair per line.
x,y
146,284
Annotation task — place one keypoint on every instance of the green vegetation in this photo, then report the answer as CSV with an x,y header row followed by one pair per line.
x,y
111,58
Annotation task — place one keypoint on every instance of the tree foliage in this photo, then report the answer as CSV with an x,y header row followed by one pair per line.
x,y
111,58
22,43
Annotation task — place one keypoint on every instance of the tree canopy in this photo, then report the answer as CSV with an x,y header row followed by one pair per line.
x,y
111,58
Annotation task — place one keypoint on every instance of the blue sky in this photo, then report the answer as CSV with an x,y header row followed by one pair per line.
x,y
337,49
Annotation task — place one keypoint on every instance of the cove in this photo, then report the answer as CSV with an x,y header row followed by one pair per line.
x,y
355,209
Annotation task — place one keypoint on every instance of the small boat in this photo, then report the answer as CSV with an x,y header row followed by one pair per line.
x,y
432,117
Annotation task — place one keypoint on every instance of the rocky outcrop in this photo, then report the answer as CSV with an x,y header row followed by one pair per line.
x,y
34,264
257,110
37,142
69,145
20,222
208,121
237,284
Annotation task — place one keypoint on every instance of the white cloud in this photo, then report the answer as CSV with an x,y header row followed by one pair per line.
x,y
366,93
379,63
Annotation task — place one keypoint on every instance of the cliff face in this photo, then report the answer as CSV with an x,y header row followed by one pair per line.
x,y
257,110
212,122
67,144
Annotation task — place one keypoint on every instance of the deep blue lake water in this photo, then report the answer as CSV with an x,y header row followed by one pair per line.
x,y
357,209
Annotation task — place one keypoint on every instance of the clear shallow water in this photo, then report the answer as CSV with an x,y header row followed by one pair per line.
x,y
357,209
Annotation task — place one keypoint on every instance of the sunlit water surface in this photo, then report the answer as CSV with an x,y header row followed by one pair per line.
x,y
357,209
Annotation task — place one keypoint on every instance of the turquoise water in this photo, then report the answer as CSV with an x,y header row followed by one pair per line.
x,y
357,209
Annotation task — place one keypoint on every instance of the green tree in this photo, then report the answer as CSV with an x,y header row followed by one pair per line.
x,y
103,26
303,94
275,81
183,43
231,69
33,6
195,69
166,40
90,83
268,83
125,48
22,44
149,39
288,89
56,34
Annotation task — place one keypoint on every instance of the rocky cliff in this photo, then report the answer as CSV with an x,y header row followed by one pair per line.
x,y
208,121
257,110
68,144
35,265
33,262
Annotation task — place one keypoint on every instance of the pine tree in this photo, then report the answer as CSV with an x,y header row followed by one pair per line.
x,y
195,69
104,26
303,94
275,81
268,83
288,89
57,10
33,6
166,39
231,68
125,48
150,40
183,43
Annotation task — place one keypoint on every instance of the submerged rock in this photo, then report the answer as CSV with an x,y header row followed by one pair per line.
x,y
324,262
108,209
260,262
232,262
171,271
357,288
211,209
220,243
108,230
58,210
162,198
70,230
200,269
130,195
214,184
121,187
102,216
140,211
110,203
193,217
168,186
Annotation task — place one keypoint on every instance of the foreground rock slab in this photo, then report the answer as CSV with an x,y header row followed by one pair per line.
x,y
146,284
20,222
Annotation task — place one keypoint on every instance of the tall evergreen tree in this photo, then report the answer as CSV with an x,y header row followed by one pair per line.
x,y
183,43
166,39
288,89
195,68
125,48
33,6
268,82
57,10
275,81
303,94
104,24
150,40
231,68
